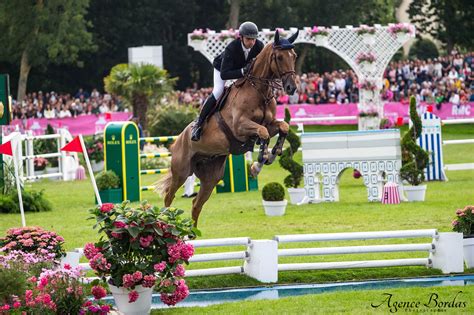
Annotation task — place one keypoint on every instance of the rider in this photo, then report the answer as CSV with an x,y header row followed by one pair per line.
x,y
233,63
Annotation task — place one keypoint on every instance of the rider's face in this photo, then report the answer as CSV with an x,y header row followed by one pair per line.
x,y
249,42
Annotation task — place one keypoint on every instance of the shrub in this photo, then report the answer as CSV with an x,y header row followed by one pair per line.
x,y
107,180
286,159
423,49
8,205
12,282
414,158
33,201
464,222
273,192
170,120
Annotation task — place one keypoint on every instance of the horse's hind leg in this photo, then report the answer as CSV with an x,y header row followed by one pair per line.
x,y
209,172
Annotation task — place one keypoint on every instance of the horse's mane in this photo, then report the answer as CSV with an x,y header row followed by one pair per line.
x,y
262,62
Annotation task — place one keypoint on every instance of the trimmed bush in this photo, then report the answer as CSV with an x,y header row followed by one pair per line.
x,y
273,192
286,159
107,180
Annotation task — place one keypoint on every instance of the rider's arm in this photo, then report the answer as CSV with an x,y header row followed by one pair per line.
x,y
228,71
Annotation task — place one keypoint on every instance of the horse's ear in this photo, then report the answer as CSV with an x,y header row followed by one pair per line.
x,y
276,41
293,37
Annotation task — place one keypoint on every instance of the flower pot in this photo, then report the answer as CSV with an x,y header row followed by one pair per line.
x,y
274,208
415,193
368,66
39,172
253,184
296,195
321,40
402,37
468,246
368,39
141,306
369,123
97,166
111,195
71,258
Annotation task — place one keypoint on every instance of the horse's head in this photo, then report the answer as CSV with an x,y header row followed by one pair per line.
x,y
283,61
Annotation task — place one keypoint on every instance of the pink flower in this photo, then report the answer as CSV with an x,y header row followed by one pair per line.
x,y
119,224
16,304
137,276
455,222
116,235
146,241
99,263
43,282
105,308
132,296
128,281
160,267
149,281
98,292
106,207
180,293
5,307
179,272
90,251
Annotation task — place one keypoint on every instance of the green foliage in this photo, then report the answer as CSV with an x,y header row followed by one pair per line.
x,y
7,205
107,180
273,192
170,120
12,282
423,49
33,201
286,159
140,85
414,158
451,22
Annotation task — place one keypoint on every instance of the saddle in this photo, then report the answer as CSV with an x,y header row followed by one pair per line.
x,y
237,147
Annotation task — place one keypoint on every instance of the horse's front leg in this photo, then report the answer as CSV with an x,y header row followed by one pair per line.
x,y
282,129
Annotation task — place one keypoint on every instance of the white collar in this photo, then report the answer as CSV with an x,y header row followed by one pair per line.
x,y
245,49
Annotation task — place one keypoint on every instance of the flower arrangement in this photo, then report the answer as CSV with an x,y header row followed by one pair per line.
x,y
365,57
142,246
33,240
464,222
367,85
40,163
364,29
95,148
228,34
199,34
318,31
401,28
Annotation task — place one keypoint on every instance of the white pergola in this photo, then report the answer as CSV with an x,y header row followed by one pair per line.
x,y
344,42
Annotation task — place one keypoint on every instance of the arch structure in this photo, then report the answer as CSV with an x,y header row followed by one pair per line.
x,y
344,42
376,154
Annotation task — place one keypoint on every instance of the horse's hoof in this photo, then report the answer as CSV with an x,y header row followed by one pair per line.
x,y
254,169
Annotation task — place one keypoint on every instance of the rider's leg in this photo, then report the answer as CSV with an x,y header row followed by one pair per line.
x,y
208,105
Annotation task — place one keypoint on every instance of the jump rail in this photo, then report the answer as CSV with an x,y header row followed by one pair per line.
x,y
260,258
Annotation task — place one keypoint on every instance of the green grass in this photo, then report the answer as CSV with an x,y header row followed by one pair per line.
x,y
355,302
241,214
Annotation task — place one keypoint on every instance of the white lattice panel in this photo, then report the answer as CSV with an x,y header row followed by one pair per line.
x,y
345,42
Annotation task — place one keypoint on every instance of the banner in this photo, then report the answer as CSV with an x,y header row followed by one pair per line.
x,y
391,111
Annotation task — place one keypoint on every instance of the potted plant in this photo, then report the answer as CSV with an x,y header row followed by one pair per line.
x,y
40,165
414,158
252,180
140,249
108,184
95,150
464,223
287,161
274,201
401,31
367,33
320,34
367,61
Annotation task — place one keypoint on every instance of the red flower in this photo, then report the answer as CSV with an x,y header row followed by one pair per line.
x,y
106,207
98,292
119,224
132,296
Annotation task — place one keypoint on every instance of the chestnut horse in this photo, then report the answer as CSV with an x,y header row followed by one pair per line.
x,y
247,115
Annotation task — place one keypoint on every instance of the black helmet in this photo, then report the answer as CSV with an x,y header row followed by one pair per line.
x,y
248,29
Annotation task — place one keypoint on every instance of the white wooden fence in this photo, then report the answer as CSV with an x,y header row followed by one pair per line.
x,y
260,259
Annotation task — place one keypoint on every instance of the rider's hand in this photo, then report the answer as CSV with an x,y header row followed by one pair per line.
x,y
246,69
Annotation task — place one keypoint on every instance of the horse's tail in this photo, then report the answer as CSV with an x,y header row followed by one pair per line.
x,y
162,186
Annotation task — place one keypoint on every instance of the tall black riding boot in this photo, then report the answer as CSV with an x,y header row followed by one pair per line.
x,y
206,109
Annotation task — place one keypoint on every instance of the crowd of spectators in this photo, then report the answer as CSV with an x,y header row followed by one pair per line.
x,y
54,105
434,81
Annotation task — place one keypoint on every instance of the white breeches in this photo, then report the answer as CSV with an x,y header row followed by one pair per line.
x,y
218,84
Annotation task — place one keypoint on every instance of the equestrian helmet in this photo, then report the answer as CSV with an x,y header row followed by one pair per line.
x,y
248,29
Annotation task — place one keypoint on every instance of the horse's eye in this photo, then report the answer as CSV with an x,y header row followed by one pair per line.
x,y
280,57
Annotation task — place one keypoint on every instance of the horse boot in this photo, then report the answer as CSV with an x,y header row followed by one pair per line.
x,y
206,109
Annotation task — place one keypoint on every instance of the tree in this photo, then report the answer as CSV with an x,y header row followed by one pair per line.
x,y
233,21
40,32
423,49
449,21
140,85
